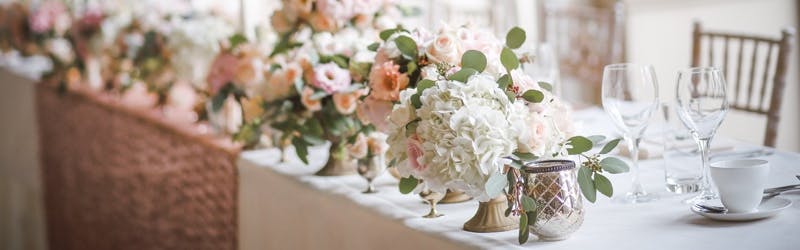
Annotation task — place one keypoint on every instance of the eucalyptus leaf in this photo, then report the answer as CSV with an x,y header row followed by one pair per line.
x,y
614,165
463,75
532,217
526,156
340,61
603,185
579,145
424,84
385,34
509,59
528,203
473,59
313,139
373,47
515,37
237,39
495,185
407,184
523,229
587,184
407,46
596,139
546,86
533,96
610,146
411,67
511,96
301,149
504,81
416,101
314,127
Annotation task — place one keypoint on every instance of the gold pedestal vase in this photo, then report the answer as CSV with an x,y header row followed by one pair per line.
x,y
454,196
554,186
491,217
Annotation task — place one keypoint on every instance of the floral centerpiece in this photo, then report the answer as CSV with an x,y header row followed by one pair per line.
x,y
49,25
317,74
467,116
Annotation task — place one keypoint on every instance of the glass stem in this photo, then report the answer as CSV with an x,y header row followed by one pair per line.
x,y
703,144
633,147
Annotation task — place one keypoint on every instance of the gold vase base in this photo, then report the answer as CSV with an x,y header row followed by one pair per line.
x,y
454,197
491,217
337,168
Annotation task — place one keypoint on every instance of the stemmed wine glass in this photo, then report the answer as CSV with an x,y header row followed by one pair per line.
x,y
702,105
630,97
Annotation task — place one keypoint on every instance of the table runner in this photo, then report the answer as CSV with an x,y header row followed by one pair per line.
x,y
119,178
307,221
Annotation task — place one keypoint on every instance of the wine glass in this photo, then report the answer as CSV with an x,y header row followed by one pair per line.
x,y
702,105
630,97
370,168
431,197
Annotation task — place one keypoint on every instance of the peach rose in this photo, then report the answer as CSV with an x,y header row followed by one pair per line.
x,y
321,22
310,104
376,142
346,103
251,107
374,111
358,149
280,22
247,72
386,81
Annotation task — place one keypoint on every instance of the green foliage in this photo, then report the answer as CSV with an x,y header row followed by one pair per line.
x,y
509,59
515,38
526,156
407,184
610,146
602,184
373,47
407,47
495,185
237,39
504,81
546,86
614,165
301,148
533,96
473,59
587,184
579,145
463,75
524,230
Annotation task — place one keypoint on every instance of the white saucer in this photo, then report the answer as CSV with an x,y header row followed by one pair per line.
x,y
767,208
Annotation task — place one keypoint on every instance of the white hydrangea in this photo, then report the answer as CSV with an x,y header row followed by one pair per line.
x,y
195,43
465,131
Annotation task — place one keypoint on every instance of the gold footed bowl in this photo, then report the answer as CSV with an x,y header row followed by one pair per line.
x,y
491,217
454,196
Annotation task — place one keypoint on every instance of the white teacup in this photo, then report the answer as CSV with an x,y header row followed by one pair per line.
x,y
740,183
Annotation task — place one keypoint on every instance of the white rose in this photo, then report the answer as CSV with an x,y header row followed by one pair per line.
x,y
445,48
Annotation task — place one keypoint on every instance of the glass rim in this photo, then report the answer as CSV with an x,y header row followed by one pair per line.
x,y
619,66
700,70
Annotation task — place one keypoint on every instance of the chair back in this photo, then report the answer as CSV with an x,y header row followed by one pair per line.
x,y
755,68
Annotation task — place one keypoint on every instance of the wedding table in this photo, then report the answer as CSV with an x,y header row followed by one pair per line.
x,y
284,206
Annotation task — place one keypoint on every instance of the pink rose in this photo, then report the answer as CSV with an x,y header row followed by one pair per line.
x,y
44,18
337,9
222,72
138,96
386,81
310,104
374,111
330,78
414,152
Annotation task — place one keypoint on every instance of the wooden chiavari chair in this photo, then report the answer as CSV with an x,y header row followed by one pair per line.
x,y
755,68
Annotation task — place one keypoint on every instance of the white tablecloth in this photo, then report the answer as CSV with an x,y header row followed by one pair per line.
x,y
283,206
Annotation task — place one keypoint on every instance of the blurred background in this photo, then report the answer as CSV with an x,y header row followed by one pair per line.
x,y
575,39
